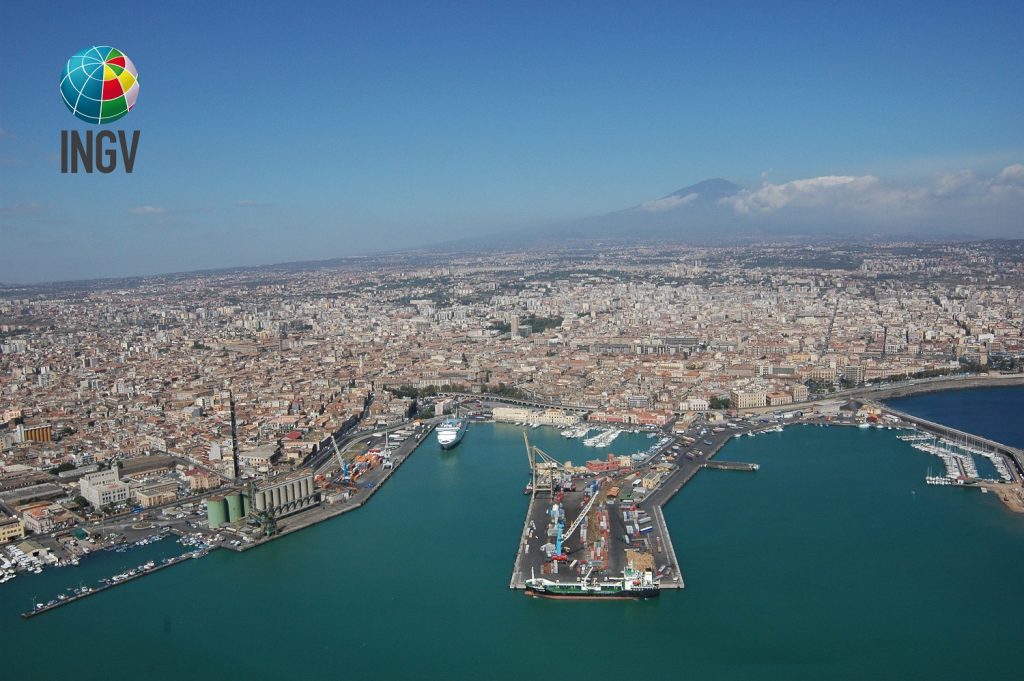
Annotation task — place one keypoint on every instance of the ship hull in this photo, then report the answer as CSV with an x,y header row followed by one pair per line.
x,y
640,594
450,445
451,437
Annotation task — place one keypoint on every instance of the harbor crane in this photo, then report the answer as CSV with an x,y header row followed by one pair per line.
x,y
543,467
561,535
587,576
558,515
346,476
580,518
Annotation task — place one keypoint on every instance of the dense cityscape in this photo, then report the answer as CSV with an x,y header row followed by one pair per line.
x,y
122,370
383,339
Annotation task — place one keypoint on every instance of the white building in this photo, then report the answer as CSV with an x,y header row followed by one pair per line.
x,y
695,404
513,414
747,399
103,488
545,417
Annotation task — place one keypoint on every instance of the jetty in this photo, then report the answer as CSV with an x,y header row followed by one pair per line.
x,y
977,442
955,448
85,592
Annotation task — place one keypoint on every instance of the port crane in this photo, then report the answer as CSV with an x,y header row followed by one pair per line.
x,y
561,535
580,518
343,471
586,577
543,467
558,515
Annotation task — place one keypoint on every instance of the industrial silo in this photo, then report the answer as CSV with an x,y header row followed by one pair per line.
x,y
216,512
234,507
246,504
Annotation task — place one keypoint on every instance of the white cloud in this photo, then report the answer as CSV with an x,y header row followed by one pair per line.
x,y
669,202
147,210
815,191
867,195
1013,174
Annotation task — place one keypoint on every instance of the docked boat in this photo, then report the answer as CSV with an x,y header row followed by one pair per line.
x,y
632,584
451,432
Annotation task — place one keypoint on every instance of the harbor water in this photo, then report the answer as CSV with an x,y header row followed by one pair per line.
x,y
835,560
991,412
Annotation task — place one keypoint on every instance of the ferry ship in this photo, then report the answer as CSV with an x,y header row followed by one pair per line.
x,y
632,584
450,432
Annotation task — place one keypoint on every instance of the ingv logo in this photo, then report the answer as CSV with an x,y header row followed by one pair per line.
x,y
99,85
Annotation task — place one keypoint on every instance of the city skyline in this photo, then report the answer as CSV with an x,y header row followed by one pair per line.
x,y
287,292
404,126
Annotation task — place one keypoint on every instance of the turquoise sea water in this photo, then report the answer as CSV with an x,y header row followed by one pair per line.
x,y
833,561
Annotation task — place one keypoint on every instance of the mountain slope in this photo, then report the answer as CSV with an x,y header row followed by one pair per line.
x,y
683,214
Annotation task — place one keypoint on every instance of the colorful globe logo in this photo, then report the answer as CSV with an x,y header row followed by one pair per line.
x,y
100,84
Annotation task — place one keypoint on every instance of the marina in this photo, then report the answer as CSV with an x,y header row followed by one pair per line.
x,y
607,516
118,579
960,453
603,439
200,543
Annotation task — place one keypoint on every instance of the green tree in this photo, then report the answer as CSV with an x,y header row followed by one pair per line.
x,y
720,403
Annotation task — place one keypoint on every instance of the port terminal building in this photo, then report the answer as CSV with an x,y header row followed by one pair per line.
x,y
545,417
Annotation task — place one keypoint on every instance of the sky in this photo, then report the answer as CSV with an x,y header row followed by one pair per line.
x,y
293,131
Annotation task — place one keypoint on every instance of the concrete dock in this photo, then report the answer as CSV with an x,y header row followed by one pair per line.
x,y
688,455
369,485
641,520
1015,454
74,598
531,560
518,579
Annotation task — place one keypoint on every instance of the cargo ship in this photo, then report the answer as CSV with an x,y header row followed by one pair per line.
x,y
632,584
451,432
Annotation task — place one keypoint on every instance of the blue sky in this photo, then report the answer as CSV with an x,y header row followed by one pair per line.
x,y
278,132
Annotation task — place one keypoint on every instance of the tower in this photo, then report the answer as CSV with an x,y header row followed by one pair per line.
x,y
234,435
